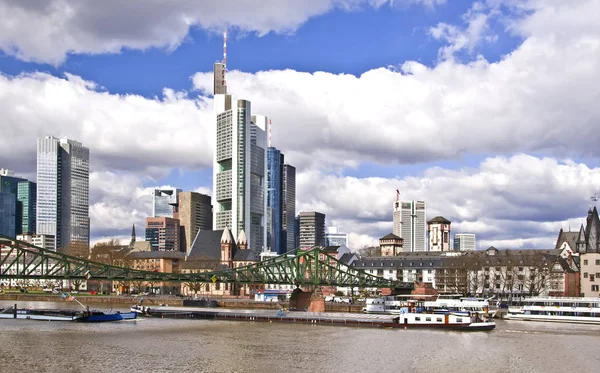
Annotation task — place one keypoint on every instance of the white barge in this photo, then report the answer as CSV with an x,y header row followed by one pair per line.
x,y
567,310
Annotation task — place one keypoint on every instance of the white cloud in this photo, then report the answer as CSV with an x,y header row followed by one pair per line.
x,y
540,99
108,26
508,202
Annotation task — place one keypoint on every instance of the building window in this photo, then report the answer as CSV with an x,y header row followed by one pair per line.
x,y
598,262
594,287
585,275
585,262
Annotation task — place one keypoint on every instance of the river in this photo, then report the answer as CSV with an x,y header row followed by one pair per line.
x,y
175,345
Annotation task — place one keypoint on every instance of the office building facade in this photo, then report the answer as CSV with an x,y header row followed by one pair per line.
x,y
397,228
311,229
334,237
195,214
288,210
165,203
163,233
275,162
8,218
23,208
414,226
464,242
63,191
26,200
240,171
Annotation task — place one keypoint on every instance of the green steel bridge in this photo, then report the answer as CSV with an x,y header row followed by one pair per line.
x,y
21,260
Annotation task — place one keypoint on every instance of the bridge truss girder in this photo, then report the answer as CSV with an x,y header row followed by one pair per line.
x,y
21,260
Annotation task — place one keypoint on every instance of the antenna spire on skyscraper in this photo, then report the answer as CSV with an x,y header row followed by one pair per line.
x,y
224,55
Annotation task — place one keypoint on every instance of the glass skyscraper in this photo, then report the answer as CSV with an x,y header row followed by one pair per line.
x,y
166,203
19,203
63,191
288,210
274,199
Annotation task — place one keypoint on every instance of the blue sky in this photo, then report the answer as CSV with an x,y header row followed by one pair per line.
x,y
501,94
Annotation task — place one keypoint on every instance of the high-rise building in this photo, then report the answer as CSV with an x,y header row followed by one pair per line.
x,y
288,211
8,210
40,240
414,226
334,237
26,200
397,229
219,85
166,203
275,162
163,233
312,229
240,170
195,213
24,193
63,191
438,229
464,242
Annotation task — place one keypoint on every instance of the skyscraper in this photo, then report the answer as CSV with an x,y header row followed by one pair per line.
x,y
240,170
63,191
195,213
8,209
219,85
165,203
312,229
274,199
288,211
26,200
414,226
397,229
334,237
24,194
464,242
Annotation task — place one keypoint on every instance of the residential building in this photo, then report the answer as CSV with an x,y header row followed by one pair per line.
x,y
195,213
163,233
165,202
334,237
40,240
588,248
312,229
414,225
275,162
438,230
288,213
63,191
464,242
240,170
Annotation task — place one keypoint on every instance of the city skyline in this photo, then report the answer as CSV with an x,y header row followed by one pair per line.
x,y
485,113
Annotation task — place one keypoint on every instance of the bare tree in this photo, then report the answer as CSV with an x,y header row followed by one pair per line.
x,y
369,251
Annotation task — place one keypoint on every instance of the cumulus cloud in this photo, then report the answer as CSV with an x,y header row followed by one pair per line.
x,y
65,27
509,202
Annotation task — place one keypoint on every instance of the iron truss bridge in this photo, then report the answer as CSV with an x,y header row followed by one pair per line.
x,y
21,260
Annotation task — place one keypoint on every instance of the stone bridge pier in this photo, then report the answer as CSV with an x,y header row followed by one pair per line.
x,y
310,300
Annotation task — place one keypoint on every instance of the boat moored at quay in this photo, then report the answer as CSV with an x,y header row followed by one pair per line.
x,y
557,309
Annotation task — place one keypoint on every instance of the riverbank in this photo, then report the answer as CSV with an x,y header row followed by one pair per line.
x,y
235,303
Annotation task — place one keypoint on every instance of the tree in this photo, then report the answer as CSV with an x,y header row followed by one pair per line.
x,y
369,251
78,250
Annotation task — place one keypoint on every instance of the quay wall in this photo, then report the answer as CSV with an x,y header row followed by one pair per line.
x,y
175,302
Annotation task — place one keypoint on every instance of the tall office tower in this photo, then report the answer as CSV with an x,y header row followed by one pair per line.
x,y
438,230
219,84
240,170
464,242
163,233
397,229
288,211
414,226
63,174
274,200
312,229
23,211
26,199
8,211
195,213
166,203
334,237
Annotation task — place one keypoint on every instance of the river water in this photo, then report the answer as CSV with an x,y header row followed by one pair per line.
x,y
176,345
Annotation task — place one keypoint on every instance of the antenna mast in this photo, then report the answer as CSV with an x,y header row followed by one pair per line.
x,y
224,55
270,127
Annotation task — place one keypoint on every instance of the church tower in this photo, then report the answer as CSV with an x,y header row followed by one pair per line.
x,y
242,241
227,248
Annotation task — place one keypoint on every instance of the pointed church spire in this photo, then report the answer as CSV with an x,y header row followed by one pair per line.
x,y
132,235
226,237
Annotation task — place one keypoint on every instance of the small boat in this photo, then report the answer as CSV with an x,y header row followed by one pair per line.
x,y
99,316
557,309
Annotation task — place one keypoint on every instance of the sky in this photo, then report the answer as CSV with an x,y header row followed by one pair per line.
x,y
486,110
